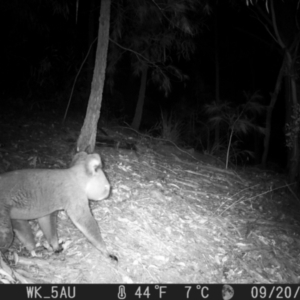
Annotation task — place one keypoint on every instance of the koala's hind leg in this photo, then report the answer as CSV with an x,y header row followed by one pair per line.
x,y
6,230
24,233
48,226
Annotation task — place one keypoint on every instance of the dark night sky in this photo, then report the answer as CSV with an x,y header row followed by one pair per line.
x,y
42,52
246,63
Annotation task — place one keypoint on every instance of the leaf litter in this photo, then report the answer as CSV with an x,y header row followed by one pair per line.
x,y
171,217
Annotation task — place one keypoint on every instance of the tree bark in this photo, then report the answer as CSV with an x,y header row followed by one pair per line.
x,y
87,138
140,104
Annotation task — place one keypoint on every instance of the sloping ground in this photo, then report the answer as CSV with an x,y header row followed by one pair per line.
x,y
170,218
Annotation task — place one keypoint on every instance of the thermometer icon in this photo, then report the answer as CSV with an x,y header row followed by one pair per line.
x,y
121,294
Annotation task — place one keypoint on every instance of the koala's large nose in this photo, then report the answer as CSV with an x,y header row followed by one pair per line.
x,y
107,189
98,188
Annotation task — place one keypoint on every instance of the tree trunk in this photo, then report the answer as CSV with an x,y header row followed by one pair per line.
x,y
91,37
140,104
270,111
217,81
294,158
87,137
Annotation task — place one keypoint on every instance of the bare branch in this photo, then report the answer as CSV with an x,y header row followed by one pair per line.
x,y
279,40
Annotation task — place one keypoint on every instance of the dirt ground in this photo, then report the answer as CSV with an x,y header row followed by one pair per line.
x,y
173,216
